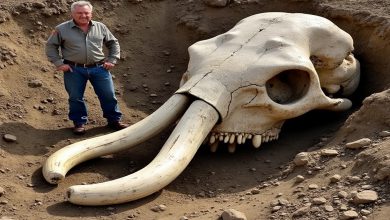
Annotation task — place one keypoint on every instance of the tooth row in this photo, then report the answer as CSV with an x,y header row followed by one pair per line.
x,y
232,139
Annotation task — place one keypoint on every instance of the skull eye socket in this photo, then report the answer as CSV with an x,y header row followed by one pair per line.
x,y
288,86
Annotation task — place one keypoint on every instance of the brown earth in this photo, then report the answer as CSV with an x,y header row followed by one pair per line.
x,y
154,37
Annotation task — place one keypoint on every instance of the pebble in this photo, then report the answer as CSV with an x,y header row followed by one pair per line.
x,y
365,196
349,215
232,214
335,178
328,208
159,208
301,159
9,137
329,152
319,201
358,144
313,186
299,179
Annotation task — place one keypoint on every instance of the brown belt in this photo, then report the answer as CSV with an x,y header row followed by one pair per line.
x,y
83,65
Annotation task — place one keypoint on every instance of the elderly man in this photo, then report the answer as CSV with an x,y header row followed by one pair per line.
x,y
76,48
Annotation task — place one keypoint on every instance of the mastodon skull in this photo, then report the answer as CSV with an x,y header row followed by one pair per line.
x,y
240,85
270,67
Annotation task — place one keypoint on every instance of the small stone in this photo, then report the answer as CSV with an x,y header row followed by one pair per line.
x,y
328,208
301,159
358,144
9,138
384,133
319,201
349,215
299,179
329,152
301,211
335,178
232,214
366,196
313,186
365,212
342,194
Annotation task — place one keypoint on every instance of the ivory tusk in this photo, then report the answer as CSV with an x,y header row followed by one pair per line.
x,y
58,164
173,158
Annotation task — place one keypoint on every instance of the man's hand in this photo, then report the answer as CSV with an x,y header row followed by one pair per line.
x,y
108,65
64,68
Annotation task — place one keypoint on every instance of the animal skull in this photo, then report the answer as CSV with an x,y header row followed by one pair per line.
x,y
246,82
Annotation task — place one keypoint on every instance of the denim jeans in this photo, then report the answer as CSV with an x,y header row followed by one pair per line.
x,y
101,80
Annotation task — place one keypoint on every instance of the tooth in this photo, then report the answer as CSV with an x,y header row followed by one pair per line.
x,y
232,138
239,139
212,139
226,140
214,147
266,138
256,141
249,136
232,148
220,137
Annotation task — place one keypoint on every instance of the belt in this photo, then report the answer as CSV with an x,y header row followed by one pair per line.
x,y
83,65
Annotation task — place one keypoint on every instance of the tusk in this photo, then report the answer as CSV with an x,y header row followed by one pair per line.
x,y
58,164
173,158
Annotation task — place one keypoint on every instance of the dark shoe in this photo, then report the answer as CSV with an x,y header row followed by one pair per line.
x,y
79,129
117,125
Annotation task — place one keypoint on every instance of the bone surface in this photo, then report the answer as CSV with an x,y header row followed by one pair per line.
x,y
58,164
173,158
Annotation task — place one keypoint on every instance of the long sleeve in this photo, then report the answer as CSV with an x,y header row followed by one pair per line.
x,y
113,47
52,48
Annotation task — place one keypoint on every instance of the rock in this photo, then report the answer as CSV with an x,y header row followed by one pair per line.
x,y
35,83
329,152
319,201
299,178
9,138
232,214
301,159
335,178
384,133
313,186
159,208
302,211
358,144
328,208
366,196
349,215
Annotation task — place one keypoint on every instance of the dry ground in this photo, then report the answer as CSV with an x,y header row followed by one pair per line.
x,y
154,37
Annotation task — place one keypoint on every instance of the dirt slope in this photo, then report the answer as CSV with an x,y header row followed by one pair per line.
x,y
154,37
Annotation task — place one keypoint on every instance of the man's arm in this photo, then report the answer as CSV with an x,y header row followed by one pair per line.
x,y
52,48
113,47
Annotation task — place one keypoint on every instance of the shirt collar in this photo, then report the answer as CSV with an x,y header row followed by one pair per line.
x,y
73,24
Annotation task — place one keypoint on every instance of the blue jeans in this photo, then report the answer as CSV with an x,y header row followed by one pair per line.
x,y
101,80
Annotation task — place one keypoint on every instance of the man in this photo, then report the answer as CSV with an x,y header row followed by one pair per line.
x,y
76,48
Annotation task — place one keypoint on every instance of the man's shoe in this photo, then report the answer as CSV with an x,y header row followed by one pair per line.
x,y
79,129
117,125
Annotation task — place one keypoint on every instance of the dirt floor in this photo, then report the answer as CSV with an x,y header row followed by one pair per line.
x,y
154,35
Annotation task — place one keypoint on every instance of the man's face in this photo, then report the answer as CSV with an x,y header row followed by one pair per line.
x,y
82,15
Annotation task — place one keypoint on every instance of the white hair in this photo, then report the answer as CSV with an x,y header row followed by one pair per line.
x,y
80,3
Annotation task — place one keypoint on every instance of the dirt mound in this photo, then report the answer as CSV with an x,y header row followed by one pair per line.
x,y
337,181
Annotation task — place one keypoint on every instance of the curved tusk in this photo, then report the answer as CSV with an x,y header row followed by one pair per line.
x,y
173,158
58,164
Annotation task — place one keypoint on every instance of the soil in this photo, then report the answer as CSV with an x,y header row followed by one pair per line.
x,y
154,36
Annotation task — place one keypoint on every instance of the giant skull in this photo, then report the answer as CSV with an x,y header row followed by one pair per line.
x,y
241,85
